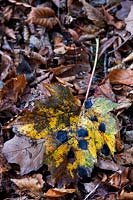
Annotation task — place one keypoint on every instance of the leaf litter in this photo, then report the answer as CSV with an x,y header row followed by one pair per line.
x,y
65,104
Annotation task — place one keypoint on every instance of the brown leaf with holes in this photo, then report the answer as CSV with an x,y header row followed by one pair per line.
x,y
43,16
121,76
56,192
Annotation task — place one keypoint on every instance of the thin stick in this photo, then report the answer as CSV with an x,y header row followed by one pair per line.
x,y
94,67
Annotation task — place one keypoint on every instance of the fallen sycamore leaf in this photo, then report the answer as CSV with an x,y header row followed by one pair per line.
x,y
71,138
33,183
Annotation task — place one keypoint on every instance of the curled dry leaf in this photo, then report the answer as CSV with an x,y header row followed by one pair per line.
x,y
56,192
33,183
121,76
42,16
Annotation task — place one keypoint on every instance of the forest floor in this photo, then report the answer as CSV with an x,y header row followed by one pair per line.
x,y
86,46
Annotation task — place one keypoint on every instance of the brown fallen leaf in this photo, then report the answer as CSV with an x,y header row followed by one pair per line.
x,y
61,69
93,14
112,21
121,76
125,158
11,91
43,16
126,195
33,183
56,192
118,180
105,90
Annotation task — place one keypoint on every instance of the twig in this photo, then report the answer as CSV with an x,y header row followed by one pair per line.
x,y
120,45
94,67
92,191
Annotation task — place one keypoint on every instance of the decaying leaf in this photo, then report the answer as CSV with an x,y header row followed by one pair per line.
x,y
33,183
112,21
93,14
28,154
119,179
121,76
43,16
11,91
125,158
72,139
107,164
